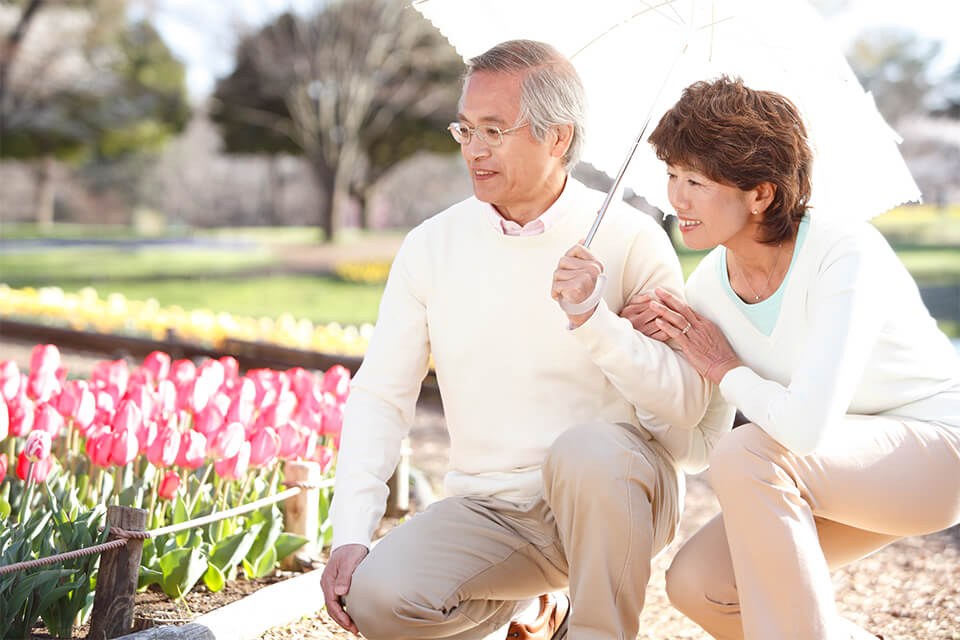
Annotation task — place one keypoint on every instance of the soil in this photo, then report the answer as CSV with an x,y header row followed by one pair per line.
x,y
909,590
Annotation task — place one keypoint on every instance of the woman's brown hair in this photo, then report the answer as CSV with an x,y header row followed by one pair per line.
x,y
742,137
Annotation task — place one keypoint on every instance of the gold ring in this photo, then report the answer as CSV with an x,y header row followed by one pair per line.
x,y
686,328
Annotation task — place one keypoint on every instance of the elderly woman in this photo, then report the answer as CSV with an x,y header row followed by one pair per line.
x,y
814,330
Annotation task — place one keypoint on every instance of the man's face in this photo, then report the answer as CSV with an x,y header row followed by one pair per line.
x,y
516,174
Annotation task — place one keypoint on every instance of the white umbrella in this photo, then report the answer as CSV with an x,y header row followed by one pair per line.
x,y
636,56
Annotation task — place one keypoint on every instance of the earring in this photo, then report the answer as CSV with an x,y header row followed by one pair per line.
x,y
755,212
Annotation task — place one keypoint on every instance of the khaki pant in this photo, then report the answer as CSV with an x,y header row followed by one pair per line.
x,y
760,570
466,566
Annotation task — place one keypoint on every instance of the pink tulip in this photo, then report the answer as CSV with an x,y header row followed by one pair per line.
x,y
112,376
169,485
77,401
308,444
41,468
163,452
242,405
44,357
4,420
226,442
193,450
22,412
264,447
124,447
158,364
231,368
332,419
9,379
128,417
234,467
301,382
48,420
99,444
337,382
166,397
182,372
214,372
37,446
290,440
144,397
324,457
221,401
194,395
3,466
209,421
43,385
146,435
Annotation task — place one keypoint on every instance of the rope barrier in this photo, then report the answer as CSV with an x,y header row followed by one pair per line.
x,y
123,535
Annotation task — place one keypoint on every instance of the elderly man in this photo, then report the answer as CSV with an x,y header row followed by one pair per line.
x,y
568,433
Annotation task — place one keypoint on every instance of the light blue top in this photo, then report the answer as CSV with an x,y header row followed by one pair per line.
x,y
763,315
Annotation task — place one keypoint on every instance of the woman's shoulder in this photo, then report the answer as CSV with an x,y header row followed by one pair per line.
x,y
705,278
830,238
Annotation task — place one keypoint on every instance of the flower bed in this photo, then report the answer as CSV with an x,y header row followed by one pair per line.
x,y
178,439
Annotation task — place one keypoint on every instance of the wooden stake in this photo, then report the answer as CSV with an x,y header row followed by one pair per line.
x,y
117,580
301,513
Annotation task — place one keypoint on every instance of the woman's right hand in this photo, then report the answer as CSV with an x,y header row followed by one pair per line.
x,y
641,314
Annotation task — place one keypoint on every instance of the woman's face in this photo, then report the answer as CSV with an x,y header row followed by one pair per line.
x,y
710,213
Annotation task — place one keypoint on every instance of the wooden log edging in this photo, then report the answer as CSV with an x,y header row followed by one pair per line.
x,y
249,617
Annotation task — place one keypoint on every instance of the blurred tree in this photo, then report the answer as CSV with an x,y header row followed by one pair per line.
x,y
79,83
355,88
893,64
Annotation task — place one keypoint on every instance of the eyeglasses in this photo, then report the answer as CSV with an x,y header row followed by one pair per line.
x,y
490,135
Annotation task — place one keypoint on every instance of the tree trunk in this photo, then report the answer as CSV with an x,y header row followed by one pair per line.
x,y
45,193
324,178
8,51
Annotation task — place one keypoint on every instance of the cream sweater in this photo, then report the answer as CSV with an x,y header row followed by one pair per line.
x,y
853,336
511,373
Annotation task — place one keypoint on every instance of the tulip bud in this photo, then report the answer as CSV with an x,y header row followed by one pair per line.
x,y
163,452
124,447
169,485
99,444
226,442
264,446
231,368
44,358
290,440
37,446
209,421
332,419
112,376
43,385
128,417
336,381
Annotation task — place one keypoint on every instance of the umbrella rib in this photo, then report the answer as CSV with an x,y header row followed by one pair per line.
x,y
624,21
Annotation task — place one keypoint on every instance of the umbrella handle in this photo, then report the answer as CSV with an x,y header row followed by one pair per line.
x,y
576,308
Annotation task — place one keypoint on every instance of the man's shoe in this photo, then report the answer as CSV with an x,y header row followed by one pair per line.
x,y
551,622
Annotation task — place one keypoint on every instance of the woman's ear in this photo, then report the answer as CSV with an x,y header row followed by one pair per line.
x,y
761,196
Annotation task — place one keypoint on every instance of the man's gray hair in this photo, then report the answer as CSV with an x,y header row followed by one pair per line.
x,y
551,92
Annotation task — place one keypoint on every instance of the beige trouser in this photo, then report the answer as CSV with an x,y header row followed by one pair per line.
x,y
467,565
760,570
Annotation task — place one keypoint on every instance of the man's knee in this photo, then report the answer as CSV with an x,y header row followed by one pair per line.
x,y
580,459
690,589
373,603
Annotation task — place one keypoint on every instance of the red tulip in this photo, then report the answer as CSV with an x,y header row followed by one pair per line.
x,y
124,447
337,382
128,417
37,446
193,450
41,468
324,457
182,372
99,444
234,467
301,381
112,376
22,412
169,485
332,419
163,452
4,421
47,419
146,435
44,357
77,401
158,364
290,440
226,442
9,379
264,447
3,466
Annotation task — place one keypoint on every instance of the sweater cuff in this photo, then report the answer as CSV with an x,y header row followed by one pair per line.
x,y
602,331
344,535
738,383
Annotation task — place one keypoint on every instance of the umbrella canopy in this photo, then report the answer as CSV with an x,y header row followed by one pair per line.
x,y
636,56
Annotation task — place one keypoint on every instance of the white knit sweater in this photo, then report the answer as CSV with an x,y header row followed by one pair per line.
x,y
852,336
511,373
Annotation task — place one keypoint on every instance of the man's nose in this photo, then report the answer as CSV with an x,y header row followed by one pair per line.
x,y
476,148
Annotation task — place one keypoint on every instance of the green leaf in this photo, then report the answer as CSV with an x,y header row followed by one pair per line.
x,y
213,578
287,543
265,563
4,509
181,570
148,577
267,536
230,551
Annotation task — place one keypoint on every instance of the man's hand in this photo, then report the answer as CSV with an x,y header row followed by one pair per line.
x,y
336,578
575,279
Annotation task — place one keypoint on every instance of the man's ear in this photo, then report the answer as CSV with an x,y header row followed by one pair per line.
x,y
563,136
